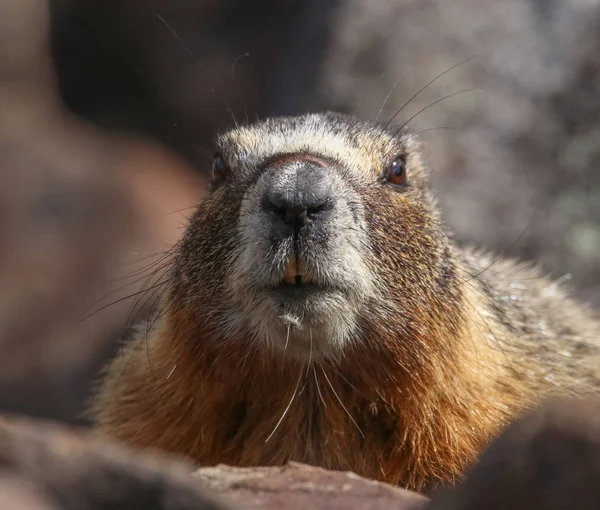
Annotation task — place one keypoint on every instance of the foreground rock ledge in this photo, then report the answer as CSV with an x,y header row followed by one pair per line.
x,y
45,466
298,487
48,467
549,460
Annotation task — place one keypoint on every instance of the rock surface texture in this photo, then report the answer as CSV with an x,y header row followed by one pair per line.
x,y
298,487
549,460
47,467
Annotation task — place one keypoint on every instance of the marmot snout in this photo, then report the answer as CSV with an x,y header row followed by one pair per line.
x,y
303,278
318,311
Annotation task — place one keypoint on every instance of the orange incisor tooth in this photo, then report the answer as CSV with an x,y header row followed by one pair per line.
x,y
291,270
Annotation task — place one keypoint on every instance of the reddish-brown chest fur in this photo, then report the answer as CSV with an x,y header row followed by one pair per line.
x,y
228,403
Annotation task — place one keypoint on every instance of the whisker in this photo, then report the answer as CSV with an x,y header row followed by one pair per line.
x,y
387,98
123,287
287,408
252,349
427,85
155,298
228,109
179,210
433,104
356,390
163,256
341,403
136,348
240,89
311,347
195,59
151,292
181,41
162,263
318,386
499,257
224,273
123,299
287,338
413,135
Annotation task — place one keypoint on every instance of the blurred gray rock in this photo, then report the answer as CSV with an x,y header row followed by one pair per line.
x,y
525,153
550,460
48,467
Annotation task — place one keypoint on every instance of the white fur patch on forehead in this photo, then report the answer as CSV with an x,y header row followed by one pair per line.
x,y
358,146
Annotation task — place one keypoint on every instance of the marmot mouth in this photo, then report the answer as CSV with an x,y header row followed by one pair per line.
x,y
294,280
295,273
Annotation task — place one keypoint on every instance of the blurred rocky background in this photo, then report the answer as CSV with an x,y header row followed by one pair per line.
x,y
107,110
518,170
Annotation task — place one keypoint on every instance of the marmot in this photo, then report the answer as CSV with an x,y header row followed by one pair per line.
x,y
317,310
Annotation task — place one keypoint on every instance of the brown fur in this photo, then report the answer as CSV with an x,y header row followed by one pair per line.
x,y
466,345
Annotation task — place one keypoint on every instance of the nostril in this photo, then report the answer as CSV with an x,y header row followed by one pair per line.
x,y
313,209
296,216
270,203
296,210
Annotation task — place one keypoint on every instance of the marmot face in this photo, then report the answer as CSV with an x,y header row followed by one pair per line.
x,y
317,228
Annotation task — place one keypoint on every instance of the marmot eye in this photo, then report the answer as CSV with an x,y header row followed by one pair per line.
x,y
220,168
396,171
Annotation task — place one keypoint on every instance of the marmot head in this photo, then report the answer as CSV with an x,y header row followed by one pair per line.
x,y
318,229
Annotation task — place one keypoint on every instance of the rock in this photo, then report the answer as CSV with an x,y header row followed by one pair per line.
x,y
75,204
48,467
517,169
45,466
298,487
180,69
549,460
17,493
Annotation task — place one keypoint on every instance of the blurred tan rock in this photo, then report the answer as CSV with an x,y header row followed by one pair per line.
x,y
299,486
50,467
19,494
77,207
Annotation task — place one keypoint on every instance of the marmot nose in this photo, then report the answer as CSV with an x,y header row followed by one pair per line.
x,y
306,196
